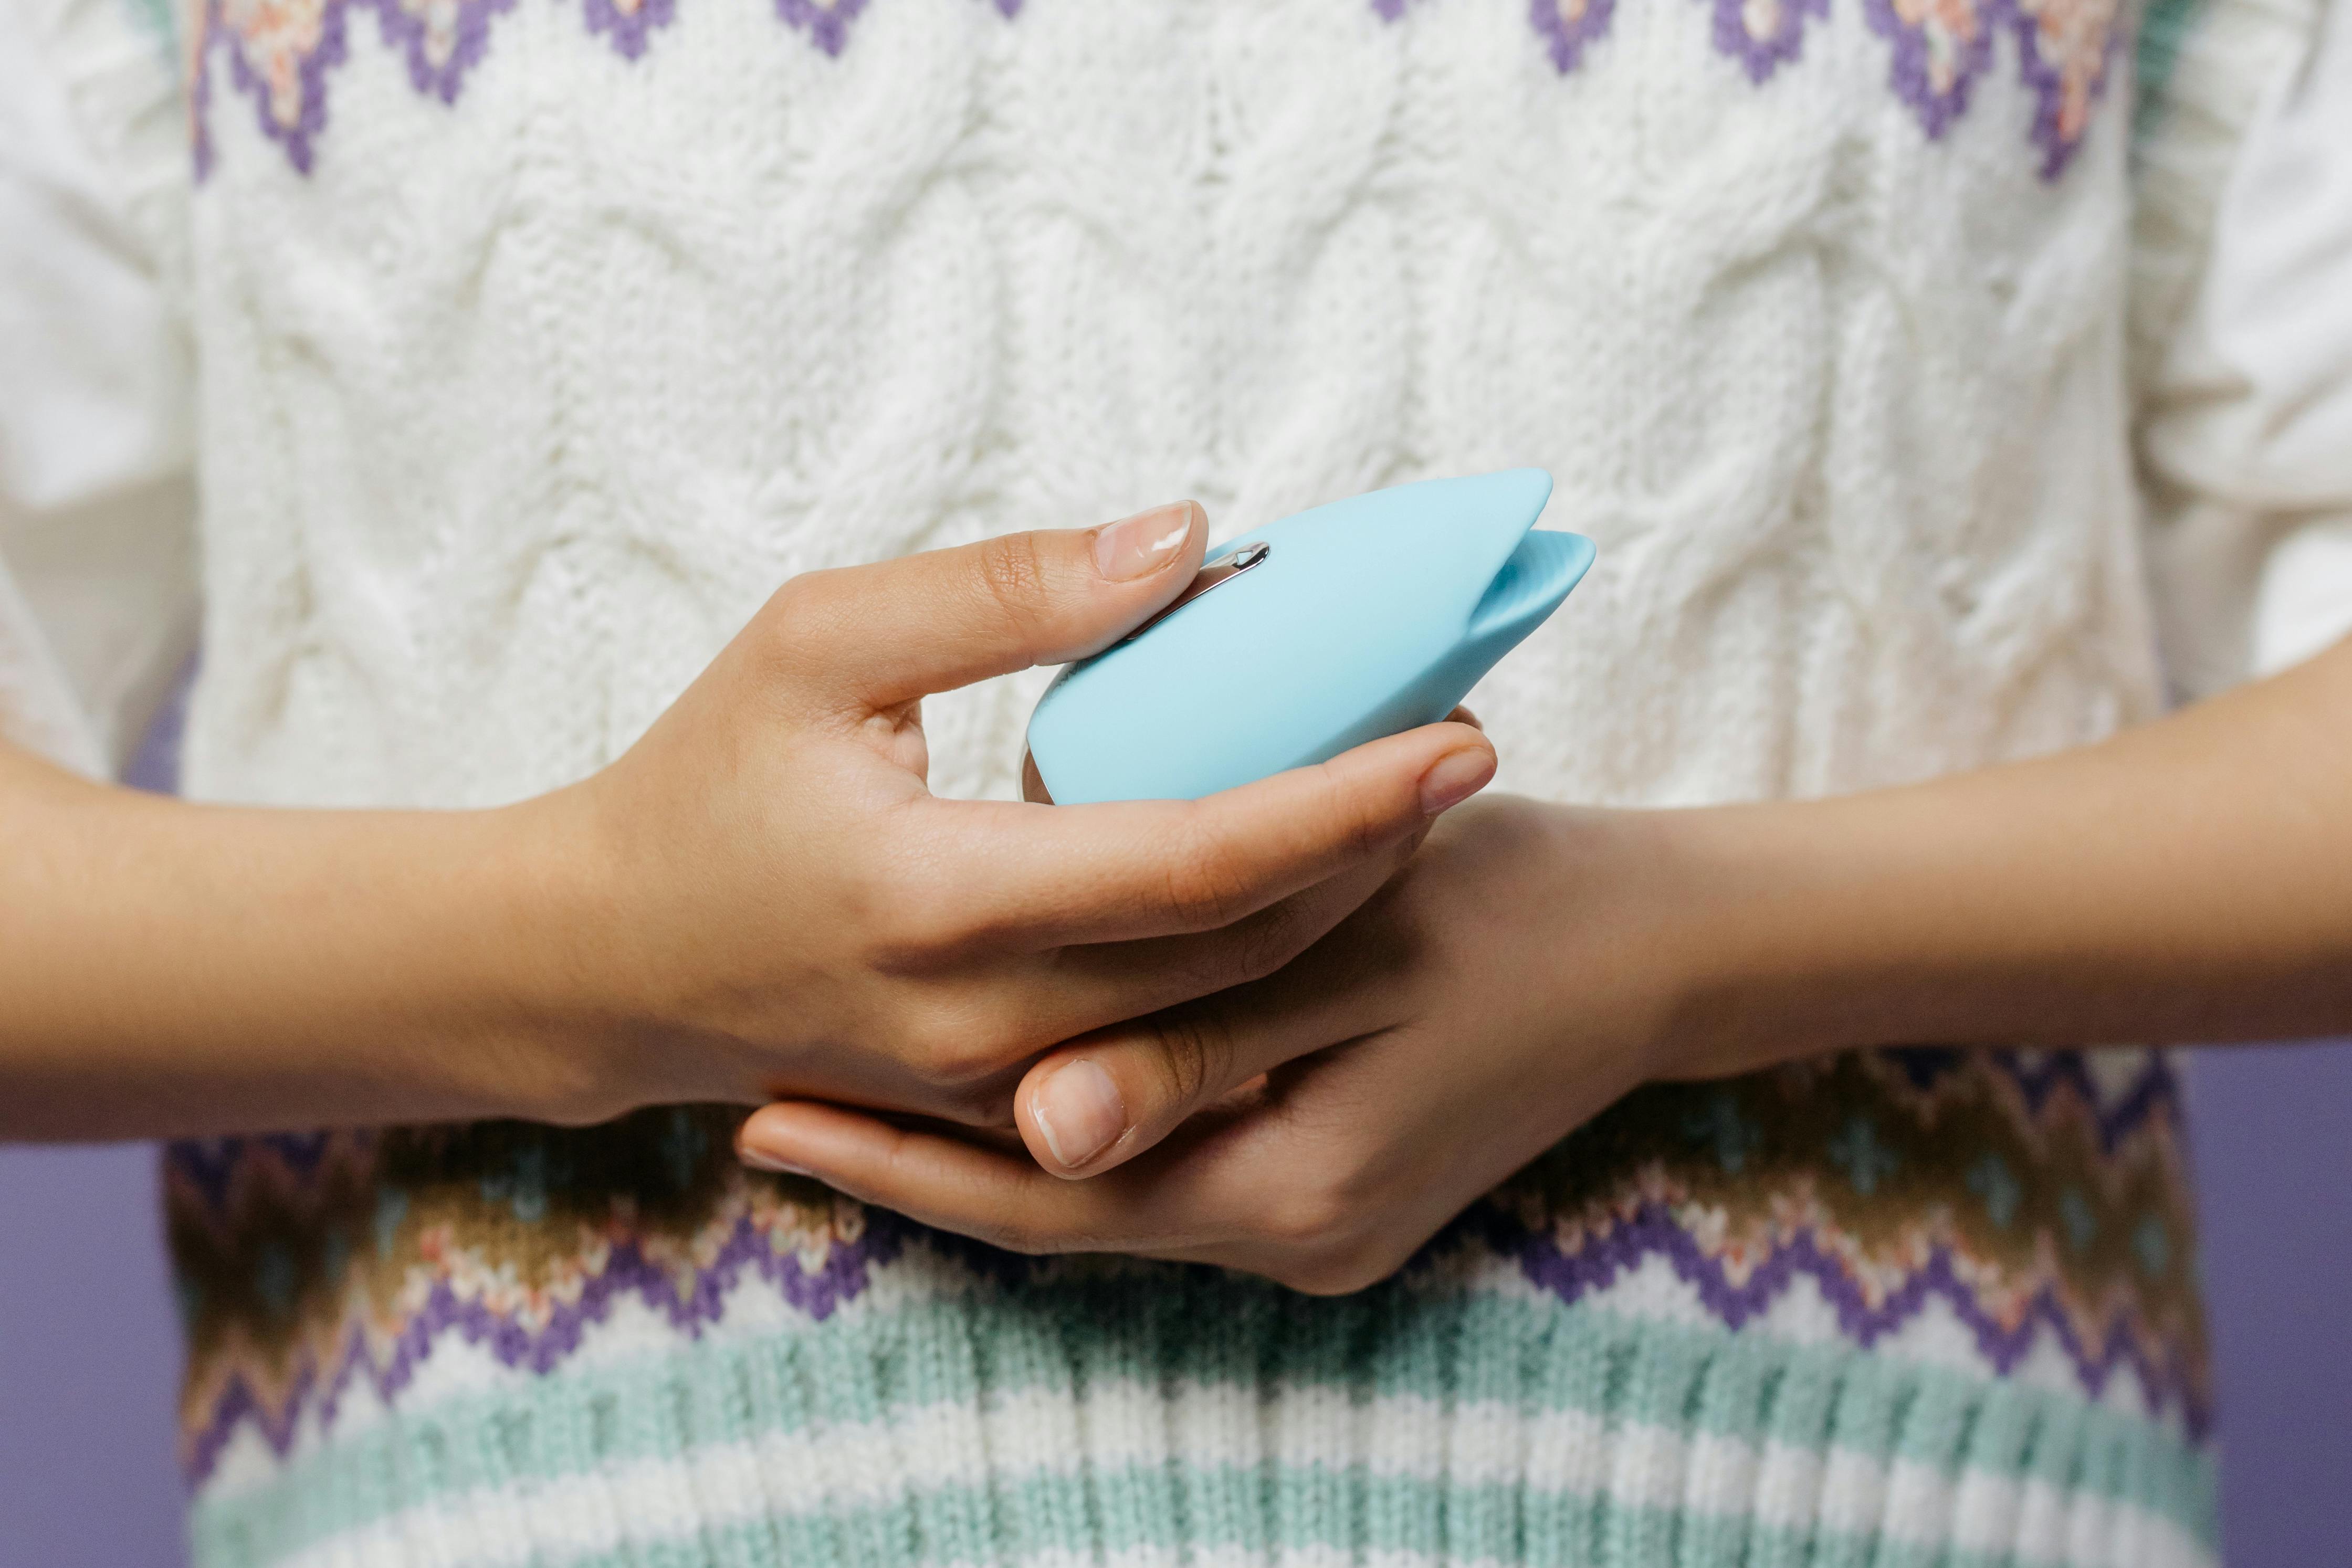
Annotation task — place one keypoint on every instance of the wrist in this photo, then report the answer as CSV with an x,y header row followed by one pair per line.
x,y
1747,926
548,975
1643,919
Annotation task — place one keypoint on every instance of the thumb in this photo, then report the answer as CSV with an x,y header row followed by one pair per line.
x,y
899,630
1098,1101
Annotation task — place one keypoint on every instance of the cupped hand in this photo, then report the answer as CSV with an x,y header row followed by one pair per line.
x,y
778,905
1318,1125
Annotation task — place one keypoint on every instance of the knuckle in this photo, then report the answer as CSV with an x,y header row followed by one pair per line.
x,y
788,605
1311,1218
1206,888
905,929
1365,826
960,1066
795,594
1015,574
956,1053
796,617
1267,941
920,933
915,919
1195,1054
968,1043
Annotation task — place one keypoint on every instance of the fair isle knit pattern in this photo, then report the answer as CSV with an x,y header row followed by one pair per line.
x,y
462,1329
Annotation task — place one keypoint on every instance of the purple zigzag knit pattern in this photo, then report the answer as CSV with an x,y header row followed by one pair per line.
x,y
2048,81
1652,1233
826,22
1762,53
311,78
1570,1276
843,1277
628,28
2154,1091
1913,72
1566,29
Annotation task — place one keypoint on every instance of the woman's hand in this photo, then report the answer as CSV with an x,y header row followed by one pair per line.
x,y
761,898
2181,882
1521,973
791,911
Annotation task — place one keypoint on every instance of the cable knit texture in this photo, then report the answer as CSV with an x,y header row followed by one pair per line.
x,y
540,341
517,406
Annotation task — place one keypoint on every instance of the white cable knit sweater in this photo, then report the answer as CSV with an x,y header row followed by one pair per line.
x,y
514,412
536,340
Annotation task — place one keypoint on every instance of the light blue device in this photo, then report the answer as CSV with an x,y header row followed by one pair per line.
x,y
1308,636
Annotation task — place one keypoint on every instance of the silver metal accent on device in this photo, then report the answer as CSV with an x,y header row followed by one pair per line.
x,y
1224,568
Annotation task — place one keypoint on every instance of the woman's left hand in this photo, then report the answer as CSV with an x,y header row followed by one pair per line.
x,y
1520,974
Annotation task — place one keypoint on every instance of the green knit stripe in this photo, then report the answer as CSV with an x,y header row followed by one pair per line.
x,y
1371,1518
977,1424
874,1368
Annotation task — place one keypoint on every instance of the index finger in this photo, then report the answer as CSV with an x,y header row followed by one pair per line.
x,y
1118,870
949,1183
898,629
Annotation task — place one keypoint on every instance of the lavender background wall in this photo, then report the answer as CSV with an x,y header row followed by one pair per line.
x,y
89,1351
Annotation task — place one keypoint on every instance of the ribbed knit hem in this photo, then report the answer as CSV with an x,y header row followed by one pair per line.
x,y
1118,1419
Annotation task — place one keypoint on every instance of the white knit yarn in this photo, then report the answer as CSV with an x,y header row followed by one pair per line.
x,y
97,566
517,408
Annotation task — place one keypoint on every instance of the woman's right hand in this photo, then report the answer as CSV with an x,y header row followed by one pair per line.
x,y
777,906
759,899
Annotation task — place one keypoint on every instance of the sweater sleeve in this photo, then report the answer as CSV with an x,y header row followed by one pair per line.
x,y
97,499
2246,437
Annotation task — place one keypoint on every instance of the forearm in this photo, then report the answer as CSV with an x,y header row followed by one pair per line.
x,y
173,968
2187,880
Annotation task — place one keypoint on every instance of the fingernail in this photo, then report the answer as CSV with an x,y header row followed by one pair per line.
x,y
1079,1110
1455,778
1144,543
759,1159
